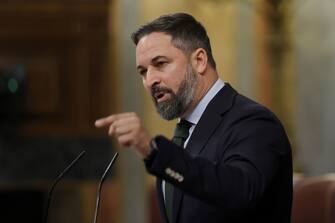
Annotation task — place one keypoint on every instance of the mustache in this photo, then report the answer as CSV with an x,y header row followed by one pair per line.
x,y
157,89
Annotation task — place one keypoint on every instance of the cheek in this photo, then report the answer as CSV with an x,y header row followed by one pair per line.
x,y
175,85
176,79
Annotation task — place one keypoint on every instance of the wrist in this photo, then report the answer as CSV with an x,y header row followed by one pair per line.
x,y
153,149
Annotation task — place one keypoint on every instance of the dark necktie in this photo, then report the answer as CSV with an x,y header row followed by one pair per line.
x,y
181,133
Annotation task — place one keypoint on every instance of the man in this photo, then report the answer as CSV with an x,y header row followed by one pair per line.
x,y
235,165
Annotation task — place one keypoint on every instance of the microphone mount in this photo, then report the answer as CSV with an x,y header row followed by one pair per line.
x,y
102,180
60,176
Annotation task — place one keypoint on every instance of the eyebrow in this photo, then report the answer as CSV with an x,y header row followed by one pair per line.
x,y
153,60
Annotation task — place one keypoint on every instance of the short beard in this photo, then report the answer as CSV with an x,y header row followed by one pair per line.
x,y
179,101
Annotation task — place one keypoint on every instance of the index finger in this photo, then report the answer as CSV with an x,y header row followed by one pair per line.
x,y
102,122
105,121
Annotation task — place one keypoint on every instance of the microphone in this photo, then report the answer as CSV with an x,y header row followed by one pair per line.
x,y
102,180
60,176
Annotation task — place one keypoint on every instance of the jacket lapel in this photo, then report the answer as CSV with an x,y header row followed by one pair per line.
x,y
209,121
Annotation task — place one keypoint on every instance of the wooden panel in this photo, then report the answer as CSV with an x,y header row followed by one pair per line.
x,y
44,73
63,47
44,86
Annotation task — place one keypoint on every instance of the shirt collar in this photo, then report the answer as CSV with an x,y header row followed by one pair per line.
x,y
195,115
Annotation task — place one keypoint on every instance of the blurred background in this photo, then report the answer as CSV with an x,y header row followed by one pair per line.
x,y
65,63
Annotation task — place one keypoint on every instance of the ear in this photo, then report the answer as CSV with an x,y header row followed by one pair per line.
x,y
199,60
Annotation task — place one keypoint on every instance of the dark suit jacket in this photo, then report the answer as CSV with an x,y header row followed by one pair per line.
x,y
236,167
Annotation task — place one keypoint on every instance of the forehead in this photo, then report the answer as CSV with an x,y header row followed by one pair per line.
x,y
153,45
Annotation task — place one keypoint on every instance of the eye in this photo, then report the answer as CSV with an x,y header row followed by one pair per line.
x,y
161,63
142,72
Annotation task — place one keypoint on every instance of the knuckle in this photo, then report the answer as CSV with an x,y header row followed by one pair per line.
x,y
133,113
135,119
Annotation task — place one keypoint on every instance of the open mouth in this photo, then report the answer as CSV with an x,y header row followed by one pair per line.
x,y
160,96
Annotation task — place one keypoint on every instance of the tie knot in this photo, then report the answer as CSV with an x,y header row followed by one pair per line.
x,y
182,129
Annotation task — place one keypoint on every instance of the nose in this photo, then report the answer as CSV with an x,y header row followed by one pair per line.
x,y
151,78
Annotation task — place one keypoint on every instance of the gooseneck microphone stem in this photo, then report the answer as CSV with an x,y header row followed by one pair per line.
x,y
102,180
60,176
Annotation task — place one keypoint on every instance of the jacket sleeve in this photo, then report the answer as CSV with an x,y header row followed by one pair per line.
x,y
241,175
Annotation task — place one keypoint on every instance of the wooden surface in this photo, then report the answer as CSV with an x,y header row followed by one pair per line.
x,y
63,46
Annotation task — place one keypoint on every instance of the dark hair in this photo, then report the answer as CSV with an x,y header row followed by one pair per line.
x,y
187,33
